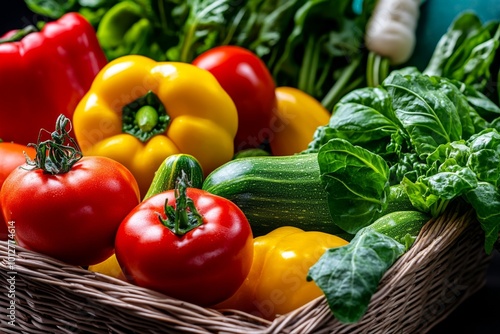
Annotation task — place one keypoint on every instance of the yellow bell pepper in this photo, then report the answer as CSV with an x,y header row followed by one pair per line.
x,y
139,111
109,267
298,115
277,281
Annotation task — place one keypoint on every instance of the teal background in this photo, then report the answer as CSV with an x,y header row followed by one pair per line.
x,y
437,15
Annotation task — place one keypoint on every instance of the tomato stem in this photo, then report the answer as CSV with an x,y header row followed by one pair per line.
x,y
184,217
58,154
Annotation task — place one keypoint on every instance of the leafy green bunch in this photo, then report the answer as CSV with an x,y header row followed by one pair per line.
x,y
436,137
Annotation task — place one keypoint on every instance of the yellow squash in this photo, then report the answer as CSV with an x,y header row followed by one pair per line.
x,y
138,112
277,281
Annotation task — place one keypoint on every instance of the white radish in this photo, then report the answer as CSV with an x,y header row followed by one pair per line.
x,y
390,32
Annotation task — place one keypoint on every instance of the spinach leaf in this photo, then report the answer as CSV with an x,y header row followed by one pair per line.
x,y
484,160
464,110
364,117
432,194
475,69
53,9
485,199
263,25
460,29
448,177
409,166
360,124
466,51
349,275
480,103
356,181
427,115
484,157
205,26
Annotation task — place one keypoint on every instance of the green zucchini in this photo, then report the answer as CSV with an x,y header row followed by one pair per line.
x,y
402,226
251,152
275,191
397,200
171,170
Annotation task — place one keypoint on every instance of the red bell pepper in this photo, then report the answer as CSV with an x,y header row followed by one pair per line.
x,y
44,74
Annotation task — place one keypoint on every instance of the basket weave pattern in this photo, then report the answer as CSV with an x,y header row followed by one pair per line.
x,y
446,265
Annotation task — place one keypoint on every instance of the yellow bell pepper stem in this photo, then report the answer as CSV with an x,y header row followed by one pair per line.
x,y
145,117
277,281
139,112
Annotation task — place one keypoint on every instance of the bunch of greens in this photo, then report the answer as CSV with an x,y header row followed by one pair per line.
x,y
93,10
468,52
429,132
438,138
314,45
434,134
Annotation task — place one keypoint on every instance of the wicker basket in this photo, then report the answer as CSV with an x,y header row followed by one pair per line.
x,y
445,266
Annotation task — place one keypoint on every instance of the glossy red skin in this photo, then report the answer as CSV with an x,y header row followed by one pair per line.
x,y
45,74
247,80
11,157
204,266
73,216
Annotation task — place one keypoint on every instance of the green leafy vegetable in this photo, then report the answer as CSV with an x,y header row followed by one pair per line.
x,y
427,115
466,51
485,199
50,8
356,181
205,26
416,131
350,275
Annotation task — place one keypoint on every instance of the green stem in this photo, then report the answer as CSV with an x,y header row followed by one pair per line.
x,y
306,68
234,25
163,20
19,34
352,85
318,85
333,94
438,208
377,69
313,69
58,154
185,55
384,69
145,117
369,69
184,217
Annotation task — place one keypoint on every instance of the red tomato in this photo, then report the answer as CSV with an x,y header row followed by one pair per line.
x,y
11,156
204,266
248,82
71,216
